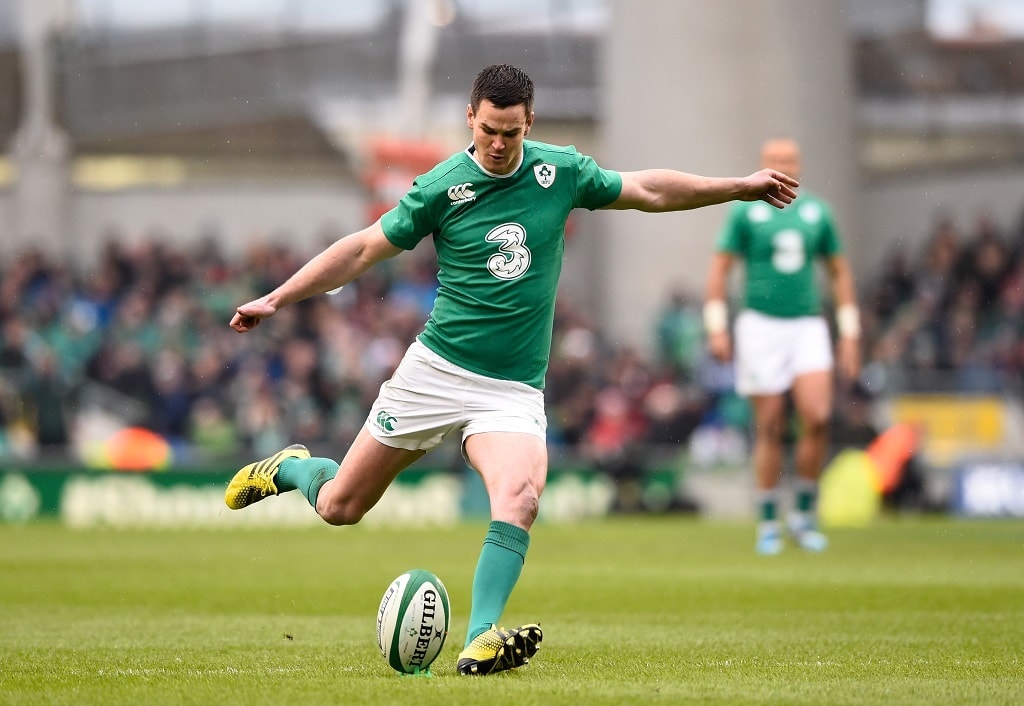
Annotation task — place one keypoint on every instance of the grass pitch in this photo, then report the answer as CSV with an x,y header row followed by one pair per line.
x,y
635,610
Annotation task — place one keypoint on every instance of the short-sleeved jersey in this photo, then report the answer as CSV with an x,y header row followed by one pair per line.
x,y
499,243
779,249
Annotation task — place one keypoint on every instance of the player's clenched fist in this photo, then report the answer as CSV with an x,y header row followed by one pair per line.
x,y
248,316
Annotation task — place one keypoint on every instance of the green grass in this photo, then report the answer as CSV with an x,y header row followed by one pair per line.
x,y
648,610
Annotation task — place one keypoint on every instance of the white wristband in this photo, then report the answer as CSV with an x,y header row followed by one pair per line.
x,y
716,316
848,321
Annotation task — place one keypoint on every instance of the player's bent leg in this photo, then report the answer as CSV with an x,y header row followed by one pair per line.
x,y
365,473
498,649
256,481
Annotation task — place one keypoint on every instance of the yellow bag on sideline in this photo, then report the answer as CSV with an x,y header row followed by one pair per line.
x,y
848,494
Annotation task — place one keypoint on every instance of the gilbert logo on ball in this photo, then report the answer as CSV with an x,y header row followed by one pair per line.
x,y
412,621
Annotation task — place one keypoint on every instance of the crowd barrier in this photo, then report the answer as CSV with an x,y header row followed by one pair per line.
x,y
81,498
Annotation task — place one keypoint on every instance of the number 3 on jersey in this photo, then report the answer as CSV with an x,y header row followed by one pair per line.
x,y
788,255
513,257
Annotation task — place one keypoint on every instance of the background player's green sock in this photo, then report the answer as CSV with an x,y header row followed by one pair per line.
x,y
305,474
497,571
806,502
768,505
806,495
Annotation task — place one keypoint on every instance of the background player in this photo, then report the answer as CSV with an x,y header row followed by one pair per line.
x,y
782,340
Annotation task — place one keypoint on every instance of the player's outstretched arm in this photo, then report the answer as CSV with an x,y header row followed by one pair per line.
x,y
659,190
337,265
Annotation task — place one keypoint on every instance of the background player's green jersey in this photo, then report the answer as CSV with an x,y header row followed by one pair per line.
x,y
499,243
779,249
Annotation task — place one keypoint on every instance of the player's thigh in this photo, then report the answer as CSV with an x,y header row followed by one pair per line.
x,y
510,463
505,434
812,397
367,470
769,414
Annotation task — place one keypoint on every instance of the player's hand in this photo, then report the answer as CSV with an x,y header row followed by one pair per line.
x,y
720,345
248,316
772,187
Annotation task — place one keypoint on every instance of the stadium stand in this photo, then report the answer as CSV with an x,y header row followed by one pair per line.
x,y
136,334
140,339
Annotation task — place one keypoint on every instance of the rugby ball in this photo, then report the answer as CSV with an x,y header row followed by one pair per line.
x,y
412,621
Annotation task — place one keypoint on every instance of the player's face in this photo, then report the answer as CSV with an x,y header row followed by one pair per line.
x,y
782,155
498,135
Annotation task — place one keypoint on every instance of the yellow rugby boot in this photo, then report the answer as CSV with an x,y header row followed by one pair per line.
x,y
498,649
256,481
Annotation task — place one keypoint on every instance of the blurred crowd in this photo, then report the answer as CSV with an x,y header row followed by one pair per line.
x,y
955,316
140,337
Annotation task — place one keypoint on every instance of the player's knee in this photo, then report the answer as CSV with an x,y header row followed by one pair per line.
x,y
338,512
816,421
527,503
769,429
530,508
518,505
817,425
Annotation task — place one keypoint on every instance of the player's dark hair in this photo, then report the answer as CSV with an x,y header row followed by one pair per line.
x,y
504,86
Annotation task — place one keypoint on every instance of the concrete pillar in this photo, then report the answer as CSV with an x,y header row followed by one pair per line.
x,y
697,86
417,51
40,149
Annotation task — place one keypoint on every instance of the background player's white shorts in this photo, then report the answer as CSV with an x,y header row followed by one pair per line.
x,y
771,351
429,397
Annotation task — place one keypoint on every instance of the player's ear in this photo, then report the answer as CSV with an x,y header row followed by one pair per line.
x,y
529,123
469,115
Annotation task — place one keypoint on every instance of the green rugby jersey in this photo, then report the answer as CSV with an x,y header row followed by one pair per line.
x,y
499,243
779,249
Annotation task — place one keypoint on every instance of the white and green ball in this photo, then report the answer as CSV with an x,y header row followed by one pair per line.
x,y
412,621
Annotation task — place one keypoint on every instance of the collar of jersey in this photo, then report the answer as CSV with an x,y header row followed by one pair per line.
x,y
471,151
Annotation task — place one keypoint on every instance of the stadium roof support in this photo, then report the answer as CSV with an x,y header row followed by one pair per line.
x,y
40,147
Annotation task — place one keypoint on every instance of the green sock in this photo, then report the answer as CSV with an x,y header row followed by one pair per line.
x,y
806,495
497,571
767,505
305,474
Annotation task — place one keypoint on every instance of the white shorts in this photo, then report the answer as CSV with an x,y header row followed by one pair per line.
x,y
771,352
429,397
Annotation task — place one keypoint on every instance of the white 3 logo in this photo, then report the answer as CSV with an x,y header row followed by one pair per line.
x,y
513,257
788,255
